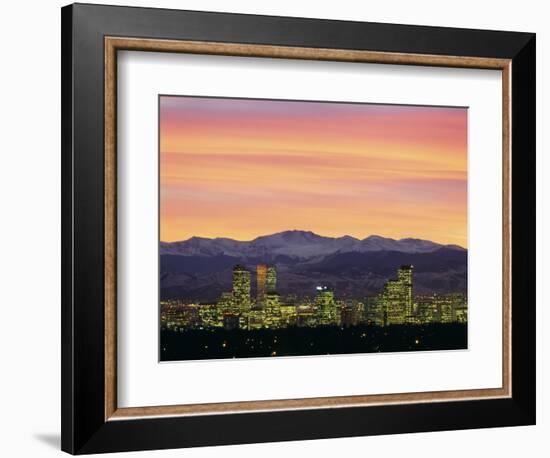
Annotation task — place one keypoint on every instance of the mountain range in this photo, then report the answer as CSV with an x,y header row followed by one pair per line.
x,y
201,268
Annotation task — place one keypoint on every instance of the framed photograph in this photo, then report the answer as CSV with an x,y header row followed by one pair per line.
x,y
284,228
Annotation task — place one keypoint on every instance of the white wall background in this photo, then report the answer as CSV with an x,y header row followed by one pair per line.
x,y
30,226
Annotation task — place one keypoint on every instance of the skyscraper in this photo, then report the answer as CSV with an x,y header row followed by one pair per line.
x,y
271,279
404,275
393,304
272,310
326,306
261,274
396,298
241,289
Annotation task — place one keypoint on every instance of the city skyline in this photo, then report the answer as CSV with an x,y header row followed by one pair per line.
x,y
240,168
240,324
394,304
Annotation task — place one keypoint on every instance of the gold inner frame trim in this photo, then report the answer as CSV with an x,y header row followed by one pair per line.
x,y
114,44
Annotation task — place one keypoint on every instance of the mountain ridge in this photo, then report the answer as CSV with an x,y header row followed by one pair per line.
x,y
297,244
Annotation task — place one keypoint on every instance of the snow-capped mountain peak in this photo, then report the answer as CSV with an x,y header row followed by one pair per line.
x,y
296,244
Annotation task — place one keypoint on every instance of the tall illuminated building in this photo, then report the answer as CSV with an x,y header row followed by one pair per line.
x,y
326,307
261,275
396,298
271,280
393,303
241,289
404,275
272,310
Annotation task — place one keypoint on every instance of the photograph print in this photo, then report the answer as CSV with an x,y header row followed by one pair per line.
x,y
300,228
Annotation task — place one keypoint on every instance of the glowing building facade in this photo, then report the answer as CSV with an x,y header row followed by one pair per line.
x,y
395,300
272,310
261,276
326,306
271,279
404,276
210,316
241,289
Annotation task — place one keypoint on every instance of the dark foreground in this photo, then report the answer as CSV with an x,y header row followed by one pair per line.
x,y
215,344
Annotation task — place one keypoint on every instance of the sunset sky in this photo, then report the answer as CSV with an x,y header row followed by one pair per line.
x,y
241,168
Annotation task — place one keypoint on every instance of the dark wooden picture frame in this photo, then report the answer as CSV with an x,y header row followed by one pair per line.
x,y
91,37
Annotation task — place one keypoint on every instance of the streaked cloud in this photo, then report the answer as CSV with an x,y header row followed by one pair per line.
x,y
241,168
